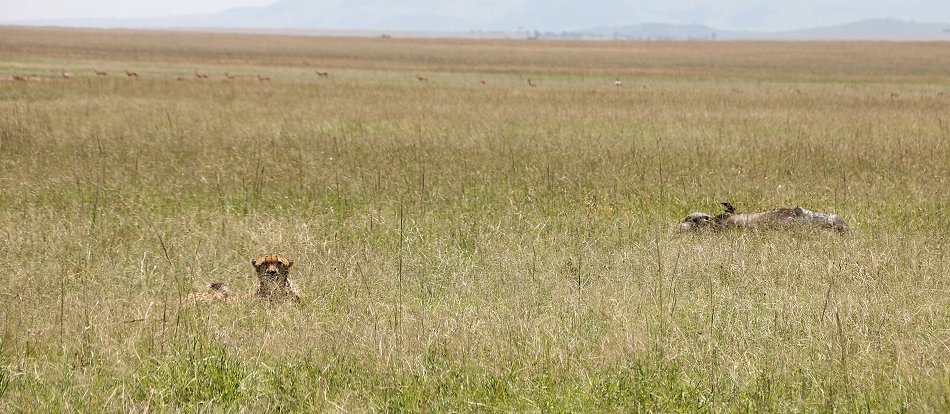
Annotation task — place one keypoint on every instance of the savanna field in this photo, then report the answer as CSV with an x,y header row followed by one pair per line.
x,y
471,243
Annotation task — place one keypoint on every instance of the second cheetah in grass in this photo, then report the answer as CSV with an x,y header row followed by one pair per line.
x,y
217,291
779,218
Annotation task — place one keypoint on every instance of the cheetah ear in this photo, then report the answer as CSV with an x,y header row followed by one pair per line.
x,y
290,263
254,262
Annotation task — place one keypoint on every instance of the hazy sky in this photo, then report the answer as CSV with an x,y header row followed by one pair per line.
x,y
763,15
56,9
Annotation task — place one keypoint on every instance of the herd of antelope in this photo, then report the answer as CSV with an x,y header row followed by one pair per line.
x,y
228,76
132,74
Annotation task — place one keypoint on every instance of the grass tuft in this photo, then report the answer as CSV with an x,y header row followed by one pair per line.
x,y
200,375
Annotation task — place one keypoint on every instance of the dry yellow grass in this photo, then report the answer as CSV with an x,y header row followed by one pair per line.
x,y
469,247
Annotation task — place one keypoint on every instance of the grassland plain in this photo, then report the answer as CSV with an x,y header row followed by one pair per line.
x,y
471,247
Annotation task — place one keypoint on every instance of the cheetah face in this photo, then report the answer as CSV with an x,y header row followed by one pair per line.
x,y
694,221
272,268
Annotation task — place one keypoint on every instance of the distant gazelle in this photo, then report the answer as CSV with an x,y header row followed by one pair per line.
x,y
200,75
66,75
617,82
531,84
131,74
323,74
228,76
263,78
423,79
100,73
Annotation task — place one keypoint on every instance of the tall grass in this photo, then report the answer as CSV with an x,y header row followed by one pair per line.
x,y
468,247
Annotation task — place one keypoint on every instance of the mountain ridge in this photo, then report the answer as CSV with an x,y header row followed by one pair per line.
x,y
600,19
869,29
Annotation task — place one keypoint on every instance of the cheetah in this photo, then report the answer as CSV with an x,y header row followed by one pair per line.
x,y
217,292
273,271
776,218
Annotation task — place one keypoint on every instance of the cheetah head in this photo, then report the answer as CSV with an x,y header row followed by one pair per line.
x,y
694,221
272,268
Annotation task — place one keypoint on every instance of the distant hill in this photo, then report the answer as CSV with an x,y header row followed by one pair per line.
x,y
657,31
872,29
298,14
397,15
595,19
